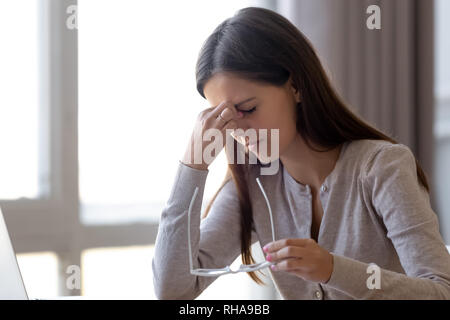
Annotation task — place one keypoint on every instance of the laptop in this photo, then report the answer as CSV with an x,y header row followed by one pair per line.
x,y
12,286
11,282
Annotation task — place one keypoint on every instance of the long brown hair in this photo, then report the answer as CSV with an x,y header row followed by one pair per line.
x,y
261,45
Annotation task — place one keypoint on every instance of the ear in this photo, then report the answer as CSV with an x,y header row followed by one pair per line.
x,y
295,90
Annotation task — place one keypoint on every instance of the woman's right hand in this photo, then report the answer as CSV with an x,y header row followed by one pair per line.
x,y
221,117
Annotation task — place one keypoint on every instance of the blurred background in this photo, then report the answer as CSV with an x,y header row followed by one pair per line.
x,y
96,110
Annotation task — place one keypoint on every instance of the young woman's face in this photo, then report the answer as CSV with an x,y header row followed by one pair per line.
x,y
266,107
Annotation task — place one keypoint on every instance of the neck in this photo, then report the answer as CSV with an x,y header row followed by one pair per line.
x,y
307,166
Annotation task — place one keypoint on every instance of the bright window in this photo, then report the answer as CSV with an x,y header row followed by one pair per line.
x,y
117,273
40,274
19,100
137,106
138,101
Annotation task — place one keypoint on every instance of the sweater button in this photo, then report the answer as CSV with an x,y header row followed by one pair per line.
x,y
318,295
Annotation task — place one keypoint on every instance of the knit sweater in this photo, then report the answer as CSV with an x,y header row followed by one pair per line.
x,y
375,212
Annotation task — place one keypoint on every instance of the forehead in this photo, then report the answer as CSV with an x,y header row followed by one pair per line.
x,y
227,86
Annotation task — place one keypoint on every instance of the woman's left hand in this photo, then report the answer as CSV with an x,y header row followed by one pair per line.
x,y
301,257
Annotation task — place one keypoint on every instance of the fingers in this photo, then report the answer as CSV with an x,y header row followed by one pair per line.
x,y
289,258
301,257
290,264
226,110
223,116
218,110
277,245
285,253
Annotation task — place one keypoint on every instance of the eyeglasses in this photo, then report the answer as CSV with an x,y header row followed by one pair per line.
x,y
227,269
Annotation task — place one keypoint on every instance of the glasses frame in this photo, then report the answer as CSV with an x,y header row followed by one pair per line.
x,y
227,269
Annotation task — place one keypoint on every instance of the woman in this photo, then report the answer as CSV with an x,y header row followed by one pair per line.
x,y
351,208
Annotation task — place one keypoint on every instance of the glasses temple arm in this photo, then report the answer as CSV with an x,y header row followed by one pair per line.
x,y
189,228
268,206
189,219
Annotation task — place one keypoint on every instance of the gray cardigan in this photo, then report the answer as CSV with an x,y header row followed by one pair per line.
x,y
375,212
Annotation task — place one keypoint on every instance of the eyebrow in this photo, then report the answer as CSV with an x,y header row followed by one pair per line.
x,y
242,102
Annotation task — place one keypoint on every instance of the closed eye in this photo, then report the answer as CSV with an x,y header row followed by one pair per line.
x,y
249,110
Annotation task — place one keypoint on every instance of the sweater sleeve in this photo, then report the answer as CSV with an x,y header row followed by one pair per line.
x,y
391,181
215,239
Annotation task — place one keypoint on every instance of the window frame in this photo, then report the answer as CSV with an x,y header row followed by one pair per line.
x,y
51,222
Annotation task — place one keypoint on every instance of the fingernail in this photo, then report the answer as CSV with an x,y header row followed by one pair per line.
x,y
268,257
273,267
266,248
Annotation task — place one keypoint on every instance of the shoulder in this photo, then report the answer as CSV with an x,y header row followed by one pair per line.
x,y
369,153
367,157
389,157
365,148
